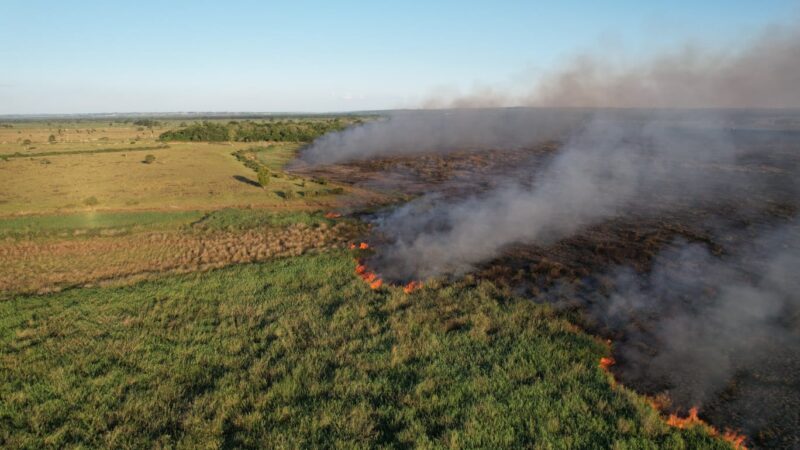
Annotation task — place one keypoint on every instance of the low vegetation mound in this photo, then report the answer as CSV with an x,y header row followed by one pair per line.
x,y
300,353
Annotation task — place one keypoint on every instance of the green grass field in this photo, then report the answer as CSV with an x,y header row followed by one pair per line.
x,y
298,352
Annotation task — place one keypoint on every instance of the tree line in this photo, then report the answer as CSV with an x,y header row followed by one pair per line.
x,y
249,131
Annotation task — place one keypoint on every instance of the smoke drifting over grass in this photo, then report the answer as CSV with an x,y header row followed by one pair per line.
x,y
716,328
697,321
707,318
414,132
763,74
611,167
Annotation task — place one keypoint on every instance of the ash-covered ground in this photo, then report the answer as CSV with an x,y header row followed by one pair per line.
x,y
675,234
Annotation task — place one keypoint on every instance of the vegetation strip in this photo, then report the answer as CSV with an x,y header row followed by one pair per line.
x,y
82,152
249,131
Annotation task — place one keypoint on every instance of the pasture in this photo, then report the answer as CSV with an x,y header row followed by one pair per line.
x,y
299,352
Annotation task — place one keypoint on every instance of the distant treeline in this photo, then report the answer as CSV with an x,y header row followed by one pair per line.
x,y
249,131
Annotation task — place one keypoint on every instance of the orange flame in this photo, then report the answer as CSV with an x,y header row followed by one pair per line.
x,y
659,403
412,286
732,437
735,439
370,277
332,215
606,362
685,422
363,246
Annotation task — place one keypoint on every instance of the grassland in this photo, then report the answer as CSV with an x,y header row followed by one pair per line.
x,y
88,208
298,352
178,303
183,176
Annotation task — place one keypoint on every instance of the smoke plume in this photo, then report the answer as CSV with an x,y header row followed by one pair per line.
x,y
699,325
416,132
763,73
707,319
609,168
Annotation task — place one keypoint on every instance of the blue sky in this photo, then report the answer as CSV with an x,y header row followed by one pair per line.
x,y
108,56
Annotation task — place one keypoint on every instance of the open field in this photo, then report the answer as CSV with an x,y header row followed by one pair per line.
x,y
34,137
174,301
183,176
300,352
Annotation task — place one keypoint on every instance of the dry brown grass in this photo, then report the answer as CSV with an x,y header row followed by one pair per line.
x,y
50,265
73,136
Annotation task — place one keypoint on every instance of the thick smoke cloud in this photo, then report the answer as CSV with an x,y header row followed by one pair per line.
x,y
611,167
763,73
707,318
414,132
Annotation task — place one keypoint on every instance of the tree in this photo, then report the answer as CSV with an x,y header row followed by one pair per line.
x,y
52,139
149,159
263,176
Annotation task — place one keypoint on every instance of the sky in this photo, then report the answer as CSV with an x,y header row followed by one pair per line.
x,y
304,56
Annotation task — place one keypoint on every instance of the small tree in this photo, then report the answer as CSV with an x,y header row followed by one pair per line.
x,y
263,176
149,159
52,139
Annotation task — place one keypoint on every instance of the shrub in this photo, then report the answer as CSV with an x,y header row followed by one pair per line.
x,y
263,176
150,123
91,201
149,159
26,142
52,139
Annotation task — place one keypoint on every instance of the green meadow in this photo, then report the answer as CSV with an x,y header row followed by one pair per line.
x,y
300,353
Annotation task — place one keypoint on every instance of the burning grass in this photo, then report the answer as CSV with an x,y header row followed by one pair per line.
x,y
736,439
373,279
298,352
692,420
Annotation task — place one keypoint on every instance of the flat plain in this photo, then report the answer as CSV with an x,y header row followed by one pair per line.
x,y
181,300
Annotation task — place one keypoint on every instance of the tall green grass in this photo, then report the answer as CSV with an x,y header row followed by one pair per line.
x,y
300,353
242,219
95,223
